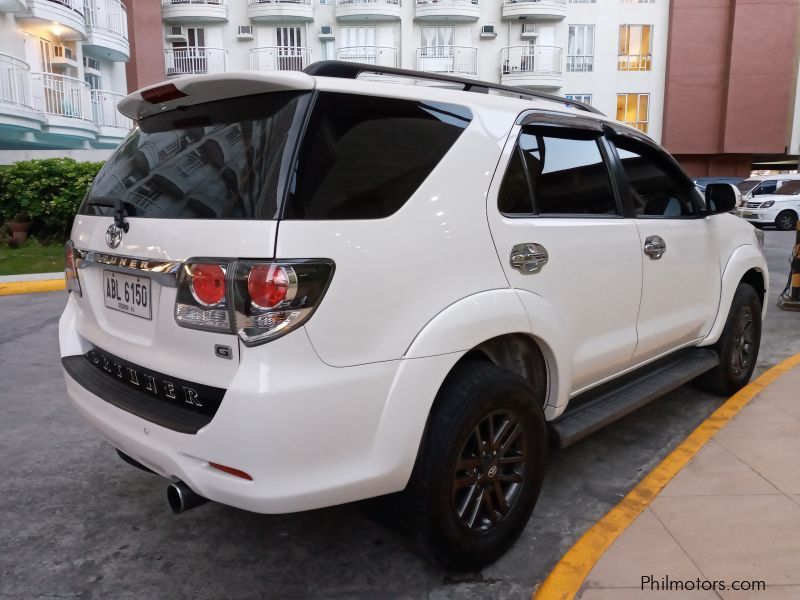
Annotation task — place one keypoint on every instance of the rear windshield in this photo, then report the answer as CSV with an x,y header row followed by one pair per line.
x,y
219,160
790,188
362,157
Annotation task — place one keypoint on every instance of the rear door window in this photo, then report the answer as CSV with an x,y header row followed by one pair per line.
x,y
218,160
557,172
363,157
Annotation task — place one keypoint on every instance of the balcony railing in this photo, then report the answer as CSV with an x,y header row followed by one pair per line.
x,y
76,5
537,9
382,56
15,83
634,62
367,2
464,3
61,96
580,64
108,15
191,60
104,109
184,2
537,60
279,58
251,2
456,60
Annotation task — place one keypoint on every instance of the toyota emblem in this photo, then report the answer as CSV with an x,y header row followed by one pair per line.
x,y
113,236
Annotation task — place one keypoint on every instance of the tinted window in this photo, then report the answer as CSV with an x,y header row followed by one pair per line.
x,y
768,187
566,172
657,188
219,160
515,196
363,157
790,188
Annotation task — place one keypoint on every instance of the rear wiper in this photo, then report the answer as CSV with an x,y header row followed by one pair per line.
x,y
120,214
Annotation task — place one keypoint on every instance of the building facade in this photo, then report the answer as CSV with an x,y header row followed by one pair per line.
x,y
62,72
610,53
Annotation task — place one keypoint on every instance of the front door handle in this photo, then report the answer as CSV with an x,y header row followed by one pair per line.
x,y
655,246
528,258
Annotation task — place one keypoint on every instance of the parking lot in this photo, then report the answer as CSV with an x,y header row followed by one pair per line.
x,y
77,522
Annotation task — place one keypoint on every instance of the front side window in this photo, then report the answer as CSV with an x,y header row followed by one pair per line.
x,y
363,157
634,110
635,47
656,187
555,173
767,187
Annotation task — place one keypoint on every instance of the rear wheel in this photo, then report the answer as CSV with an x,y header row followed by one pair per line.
x,y
738,346
786,221
480,467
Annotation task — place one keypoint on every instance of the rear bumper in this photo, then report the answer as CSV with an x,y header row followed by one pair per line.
x,y
309,434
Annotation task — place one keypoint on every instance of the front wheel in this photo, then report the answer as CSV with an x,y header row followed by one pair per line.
x,y
737,346
480,467
786,221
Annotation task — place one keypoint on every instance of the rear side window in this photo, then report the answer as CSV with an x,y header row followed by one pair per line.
x,y
217,160
656,187
554,172
363,157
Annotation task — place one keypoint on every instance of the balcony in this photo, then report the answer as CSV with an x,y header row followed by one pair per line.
x,y
66,103
381,56
457,11
107,30
279,58
461,61
62,17
266,11
368,10
193,60
553,10
12,5
17,111
111,123
532,66
194,11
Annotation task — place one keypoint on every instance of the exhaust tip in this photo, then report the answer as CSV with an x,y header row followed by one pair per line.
x,y
181,498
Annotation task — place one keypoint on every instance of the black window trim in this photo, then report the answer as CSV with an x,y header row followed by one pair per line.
x,y
565,123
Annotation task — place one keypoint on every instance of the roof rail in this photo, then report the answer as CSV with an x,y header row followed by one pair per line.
x,y
351,70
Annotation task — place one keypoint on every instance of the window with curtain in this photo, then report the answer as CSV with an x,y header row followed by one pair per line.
x,y
635,47
633,110
580,48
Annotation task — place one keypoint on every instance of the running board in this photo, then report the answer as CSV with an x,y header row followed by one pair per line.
x,y
599,407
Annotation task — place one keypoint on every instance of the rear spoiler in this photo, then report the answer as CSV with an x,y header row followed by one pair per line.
x,y
196,89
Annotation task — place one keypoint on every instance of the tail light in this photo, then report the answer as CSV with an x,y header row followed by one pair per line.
x,y
257,300
71,280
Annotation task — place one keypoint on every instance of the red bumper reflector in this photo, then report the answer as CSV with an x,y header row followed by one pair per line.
x,y
231,471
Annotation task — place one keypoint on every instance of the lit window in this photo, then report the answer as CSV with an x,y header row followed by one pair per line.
x,y
580,48
634,110
585,98
635,47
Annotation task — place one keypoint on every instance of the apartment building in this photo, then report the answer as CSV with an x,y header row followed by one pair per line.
x,y
609,53
62,72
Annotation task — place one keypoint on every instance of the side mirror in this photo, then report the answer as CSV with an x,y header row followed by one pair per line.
x,y
721,197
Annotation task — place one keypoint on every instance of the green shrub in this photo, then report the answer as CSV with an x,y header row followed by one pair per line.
x,y
49,191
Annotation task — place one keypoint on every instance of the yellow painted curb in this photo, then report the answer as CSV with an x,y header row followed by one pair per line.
x,y
29,287
568,575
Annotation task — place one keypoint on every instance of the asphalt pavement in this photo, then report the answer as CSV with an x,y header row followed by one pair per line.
x,y
77,522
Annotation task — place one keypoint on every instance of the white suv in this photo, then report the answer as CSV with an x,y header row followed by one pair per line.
x,y
292,290
781,208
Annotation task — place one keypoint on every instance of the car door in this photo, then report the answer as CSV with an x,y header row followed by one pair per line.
x,y
678,248
561,238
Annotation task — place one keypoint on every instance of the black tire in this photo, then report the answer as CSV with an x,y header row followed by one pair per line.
x,y
738,346
477,396
786,220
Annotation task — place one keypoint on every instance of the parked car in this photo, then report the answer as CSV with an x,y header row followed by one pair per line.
x,y
780,208
294,290
762,185
702,182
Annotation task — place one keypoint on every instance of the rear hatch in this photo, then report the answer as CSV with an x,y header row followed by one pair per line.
x,y
198,178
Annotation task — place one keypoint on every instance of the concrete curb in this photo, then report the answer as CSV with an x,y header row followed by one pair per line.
x,y
9,288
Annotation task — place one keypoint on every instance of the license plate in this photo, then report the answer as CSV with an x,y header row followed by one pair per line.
x,y
128,293
748,215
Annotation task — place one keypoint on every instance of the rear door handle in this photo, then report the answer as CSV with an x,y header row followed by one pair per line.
x,y
528,258
655,246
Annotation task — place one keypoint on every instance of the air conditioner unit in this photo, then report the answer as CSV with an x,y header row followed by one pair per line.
x,y
326,32
487,31
244,32
529,32
176,33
